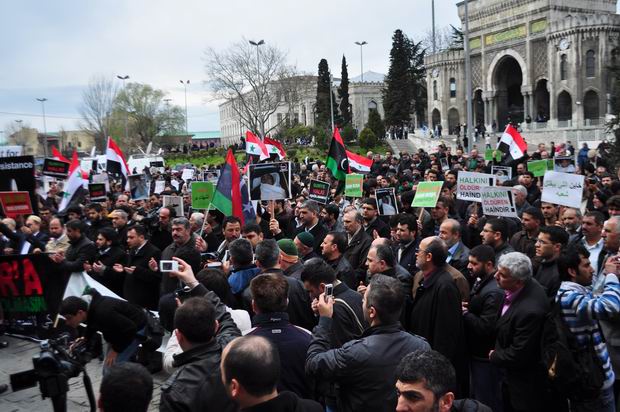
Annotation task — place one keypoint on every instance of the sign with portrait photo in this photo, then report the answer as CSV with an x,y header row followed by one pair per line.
x,y
270,181
175,202
501,173
138,187
386,201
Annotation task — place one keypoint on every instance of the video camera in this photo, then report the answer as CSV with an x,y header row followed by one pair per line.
x,y
56,363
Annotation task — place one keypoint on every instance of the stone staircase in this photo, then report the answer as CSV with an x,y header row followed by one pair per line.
x,y
403,145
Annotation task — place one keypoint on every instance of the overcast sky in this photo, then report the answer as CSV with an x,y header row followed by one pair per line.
x,y
51,49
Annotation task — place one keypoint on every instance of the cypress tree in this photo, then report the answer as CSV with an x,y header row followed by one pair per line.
x,y
323,116
376,124
343,93
397,94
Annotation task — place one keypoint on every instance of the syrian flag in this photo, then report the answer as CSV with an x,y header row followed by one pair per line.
x,y
227,197
73,184
115,161
512,143
255,146
58,156
337,160
275,147
358,163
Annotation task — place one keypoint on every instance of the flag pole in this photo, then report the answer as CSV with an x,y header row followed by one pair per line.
x,y
205,219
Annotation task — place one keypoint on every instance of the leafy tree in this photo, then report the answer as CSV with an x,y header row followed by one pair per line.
x,y
457,39
147,114
349,134
612,153
323,87
375,123
343,94
321,137
368,139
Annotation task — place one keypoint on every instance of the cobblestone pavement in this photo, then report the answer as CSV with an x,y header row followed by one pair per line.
x,y
18,357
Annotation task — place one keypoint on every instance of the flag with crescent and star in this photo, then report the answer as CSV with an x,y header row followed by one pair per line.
x,y
337,160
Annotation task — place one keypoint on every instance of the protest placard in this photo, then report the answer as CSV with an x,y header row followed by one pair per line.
x,y
175,202
353,185
17,174
538,167
202,195
426,194
470,184
564,189
188,174
55,168
498,201
15,203
318,191
564,164
488,155
23,280
270,181
160,186
386,201
501,173
97,192
138,187
11,151
445,165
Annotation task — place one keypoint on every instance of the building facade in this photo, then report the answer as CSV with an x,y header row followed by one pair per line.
x,y
362,97
541,63
33,142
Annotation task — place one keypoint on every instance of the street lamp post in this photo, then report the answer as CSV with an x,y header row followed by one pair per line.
x,y
361,44
185,84
470,117
43,100
124,79
261,127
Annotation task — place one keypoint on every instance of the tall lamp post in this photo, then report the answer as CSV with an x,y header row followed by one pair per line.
x,y
167,102
185,84
470,117
361,44
261,127
43,100
124,79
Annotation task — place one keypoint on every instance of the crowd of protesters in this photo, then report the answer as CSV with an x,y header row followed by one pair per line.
x,y
335,307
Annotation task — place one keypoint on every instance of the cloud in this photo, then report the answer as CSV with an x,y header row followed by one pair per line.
x,y
52,49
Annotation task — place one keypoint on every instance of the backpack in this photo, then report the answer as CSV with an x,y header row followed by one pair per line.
x,y
153,333
576,373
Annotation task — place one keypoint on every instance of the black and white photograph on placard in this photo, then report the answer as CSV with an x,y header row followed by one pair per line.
x,y
445,164
386,201
501,173
138,187
565,164
270,181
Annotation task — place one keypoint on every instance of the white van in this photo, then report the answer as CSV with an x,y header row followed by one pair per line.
x,y
140,161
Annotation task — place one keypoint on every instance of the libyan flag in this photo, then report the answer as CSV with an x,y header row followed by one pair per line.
x,y
337,160
227,197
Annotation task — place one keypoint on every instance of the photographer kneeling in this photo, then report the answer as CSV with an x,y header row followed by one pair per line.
x,y
121,323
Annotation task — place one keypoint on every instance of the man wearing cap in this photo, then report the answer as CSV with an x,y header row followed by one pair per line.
x,y
304,241
289,259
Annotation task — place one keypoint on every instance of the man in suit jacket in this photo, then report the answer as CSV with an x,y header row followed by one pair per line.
x,y
141,285
372,222
436,314
458,253
33,237
522,314
359,241
406,252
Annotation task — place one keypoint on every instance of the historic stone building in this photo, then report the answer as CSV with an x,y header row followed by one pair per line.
x,y
542,63
362,97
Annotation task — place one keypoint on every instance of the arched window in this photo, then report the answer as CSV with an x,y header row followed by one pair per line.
x,y
434,89
563,67
372,105
452,87
590,63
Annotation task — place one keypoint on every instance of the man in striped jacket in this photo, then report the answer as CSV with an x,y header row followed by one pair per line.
x,y
581,311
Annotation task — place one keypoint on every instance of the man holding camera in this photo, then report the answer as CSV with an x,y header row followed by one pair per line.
x,y
120,322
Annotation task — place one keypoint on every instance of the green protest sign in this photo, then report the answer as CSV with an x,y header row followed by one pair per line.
x,y
426,194
488,155
539,167
353,185
202,195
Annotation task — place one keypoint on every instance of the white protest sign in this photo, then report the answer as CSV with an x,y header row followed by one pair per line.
x,y
175,184
10,151
470,184
175,202
564,189
188,174
160,186
498,201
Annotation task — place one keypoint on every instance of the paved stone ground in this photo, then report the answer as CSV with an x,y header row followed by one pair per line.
x,y
18,357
